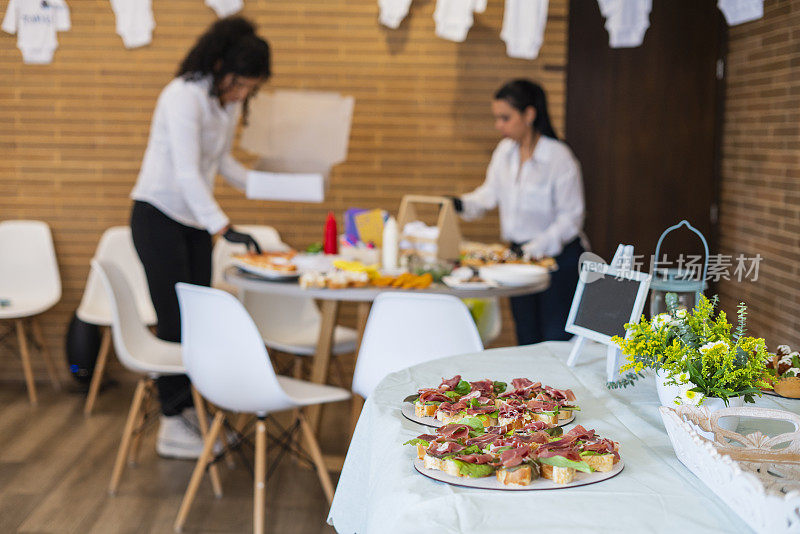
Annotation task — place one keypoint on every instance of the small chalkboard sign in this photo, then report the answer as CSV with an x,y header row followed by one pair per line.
x,y
606,298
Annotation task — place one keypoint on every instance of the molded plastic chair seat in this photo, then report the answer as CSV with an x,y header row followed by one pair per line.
x,y
141,352
286,324
31,284
22,306
229,365
116,246
406,329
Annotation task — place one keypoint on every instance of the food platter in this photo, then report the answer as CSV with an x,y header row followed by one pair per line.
x,y
458,283
407,409
491,482
263,272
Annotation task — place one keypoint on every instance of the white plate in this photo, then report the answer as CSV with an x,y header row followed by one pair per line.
x,y
264,273
513,274
457,283
407,409
491,483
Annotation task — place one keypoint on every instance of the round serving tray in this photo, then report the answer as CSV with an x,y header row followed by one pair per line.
x,y
491,483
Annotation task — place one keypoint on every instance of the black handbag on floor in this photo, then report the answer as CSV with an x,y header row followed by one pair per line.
x,y
82,346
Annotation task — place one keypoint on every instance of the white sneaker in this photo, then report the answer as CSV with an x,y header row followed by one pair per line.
x,y
178,439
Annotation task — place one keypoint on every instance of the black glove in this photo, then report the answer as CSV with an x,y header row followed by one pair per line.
x,y
238,237
516,248
457,204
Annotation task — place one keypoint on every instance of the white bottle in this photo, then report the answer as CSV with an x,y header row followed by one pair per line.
x,y
389,245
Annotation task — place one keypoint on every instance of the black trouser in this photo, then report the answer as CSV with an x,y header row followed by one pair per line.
x,y
542,316
170,252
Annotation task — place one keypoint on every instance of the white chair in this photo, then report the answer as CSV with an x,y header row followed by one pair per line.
x,y
30,284
115,246
405,329
143,353
229,365
286,324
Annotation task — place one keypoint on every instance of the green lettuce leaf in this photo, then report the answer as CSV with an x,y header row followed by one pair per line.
x,y
417,441
462,388
474,470
499,387
472,422
560,461
555,431
451,394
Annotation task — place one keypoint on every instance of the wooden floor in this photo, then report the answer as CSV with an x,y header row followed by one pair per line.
x,y
55,466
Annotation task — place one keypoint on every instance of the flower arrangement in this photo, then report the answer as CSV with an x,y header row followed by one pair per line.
x,y
699,349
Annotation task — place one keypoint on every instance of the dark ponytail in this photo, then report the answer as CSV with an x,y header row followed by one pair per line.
x,y
229,46
521,94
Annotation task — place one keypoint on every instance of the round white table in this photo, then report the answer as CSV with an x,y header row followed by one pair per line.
x,y
330,299
380,492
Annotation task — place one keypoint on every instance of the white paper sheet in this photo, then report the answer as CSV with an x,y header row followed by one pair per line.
x,y
288,187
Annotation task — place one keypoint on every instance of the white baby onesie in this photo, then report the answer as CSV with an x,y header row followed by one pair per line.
x,y
739,11
36,22
523,27
223,8
626,21
454,17
135,22
392,12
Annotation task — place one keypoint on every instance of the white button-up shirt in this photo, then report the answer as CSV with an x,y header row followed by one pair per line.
x,y
540,200
190,141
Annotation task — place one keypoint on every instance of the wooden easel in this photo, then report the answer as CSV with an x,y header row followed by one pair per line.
x,y
623,259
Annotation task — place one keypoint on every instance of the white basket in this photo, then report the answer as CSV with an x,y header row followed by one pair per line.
x,y
759,481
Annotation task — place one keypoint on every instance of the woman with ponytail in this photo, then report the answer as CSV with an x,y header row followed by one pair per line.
x,y
174,213
535,182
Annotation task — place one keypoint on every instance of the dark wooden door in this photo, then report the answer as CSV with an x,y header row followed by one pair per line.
x,y
644,123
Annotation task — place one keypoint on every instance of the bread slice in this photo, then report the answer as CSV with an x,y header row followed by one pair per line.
x,y
559,475
447,418
564,414
515,422
429,462
450,467
551,419
603,462
521,476
420,451
424,410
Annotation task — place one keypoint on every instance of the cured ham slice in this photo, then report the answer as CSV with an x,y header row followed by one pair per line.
x,y
513,457
448,384
476,458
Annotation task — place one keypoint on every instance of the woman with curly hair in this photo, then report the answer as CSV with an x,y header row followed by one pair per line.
x,y
174,212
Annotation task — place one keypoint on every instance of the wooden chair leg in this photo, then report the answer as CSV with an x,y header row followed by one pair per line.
x,y
202,419
127,434
356,405
316,455
199,468
26,361
298,367
99,370
259,485
133,455
36,328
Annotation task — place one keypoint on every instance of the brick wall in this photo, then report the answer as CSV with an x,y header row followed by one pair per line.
x,y
72,133
760,190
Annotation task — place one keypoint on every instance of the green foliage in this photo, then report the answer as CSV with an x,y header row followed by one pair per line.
x,y
699,348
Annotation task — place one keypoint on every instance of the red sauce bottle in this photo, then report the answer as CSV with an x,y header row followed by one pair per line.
x,y
330,244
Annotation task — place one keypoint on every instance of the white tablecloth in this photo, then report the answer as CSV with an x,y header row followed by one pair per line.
x,y
380,492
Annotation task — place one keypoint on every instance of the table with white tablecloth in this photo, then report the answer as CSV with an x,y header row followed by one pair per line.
x,y
379,490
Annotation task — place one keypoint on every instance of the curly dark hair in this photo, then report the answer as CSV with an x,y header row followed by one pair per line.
x,y
229,46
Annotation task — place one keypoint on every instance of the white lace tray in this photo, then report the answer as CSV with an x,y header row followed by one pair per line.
x,y
758,476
